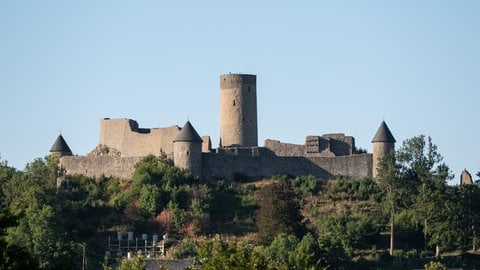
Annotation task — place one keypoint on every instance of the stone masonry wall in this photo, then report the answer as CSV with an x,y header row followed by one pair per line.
x,y
285,149
254,162
96,166
328,145
188,155
132,141
123,143
238,110
262,162
380,149
340,144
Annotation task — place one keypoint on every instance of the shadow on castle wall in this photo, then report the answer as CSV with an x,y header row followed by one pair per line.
x,y
261,162
134,127
226,163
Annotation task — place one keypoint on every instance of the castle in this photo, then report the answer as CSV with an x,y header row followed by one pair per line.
x,y
123,143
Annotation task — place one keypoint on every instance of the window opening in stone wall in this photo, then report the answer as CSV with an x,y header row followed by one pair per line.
x,y
234,102
188,153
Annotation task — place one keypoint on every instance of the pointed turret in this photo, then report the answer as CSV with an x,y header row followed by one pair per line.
x,y
187,150
60,147
188,134
383,134
383,143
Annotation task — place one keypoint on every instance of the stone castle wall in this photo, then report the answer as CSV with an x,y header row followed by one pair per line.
x,y
285,149
123,143
132,141
225,163
339,144
97,166
258,162
328,145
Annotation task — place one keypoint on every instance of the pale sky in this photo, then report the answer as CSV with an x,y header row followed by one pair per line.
x,y
321,66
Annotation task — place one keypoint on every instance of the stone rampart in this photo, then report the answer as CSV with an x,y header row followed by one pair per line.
x,y
328,145
340,144
285,149
96,166
258,162
354,166
225,163
132,141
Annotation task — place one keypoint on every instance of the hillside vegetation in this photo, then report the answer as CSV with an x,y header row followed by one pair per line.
x,y
406,218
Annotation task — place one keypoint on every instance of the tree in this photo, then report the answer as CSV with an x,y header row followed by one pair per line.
x,y
136,263
435,266
279,211
31,197
422,167
148,199
280,253
219,255
449,222
390,181
12,255
307,253
468,198
6,172
158,186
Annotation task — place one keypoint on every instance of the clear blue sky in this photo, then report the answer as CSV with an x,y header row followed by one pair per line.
x,y
321,66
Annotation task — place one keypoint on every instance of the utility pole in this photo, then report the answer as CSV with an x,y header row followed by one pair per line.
x,y
83,257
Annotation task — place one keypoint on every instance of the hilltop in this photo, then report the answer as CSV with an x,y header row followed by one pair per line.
x,y
282,221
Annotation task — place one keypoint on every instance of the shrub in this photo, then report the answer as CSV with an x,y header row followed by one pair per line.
x,y
413,253
307,184
435,266
398,253
184,251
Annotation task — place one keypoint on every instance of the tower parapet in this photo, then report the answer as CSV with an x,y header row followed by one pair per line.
x,y
238,110
383,143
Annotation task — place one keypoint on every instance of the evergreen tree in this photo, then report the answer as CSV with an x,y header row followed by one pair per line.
x,y
12,255
390,181
422,167
279,211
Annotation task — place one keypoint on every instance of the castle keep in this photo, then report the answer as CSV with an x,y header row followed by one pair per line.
x,y
123,143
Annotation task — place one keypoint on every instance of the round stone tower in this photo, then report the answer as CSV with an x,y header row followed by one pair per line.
x,y
383,143
238,110
187,150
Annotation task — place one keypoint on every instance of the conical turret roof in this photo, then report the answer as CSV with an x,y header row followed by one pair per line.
x,y
60,145
383,134
188,134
